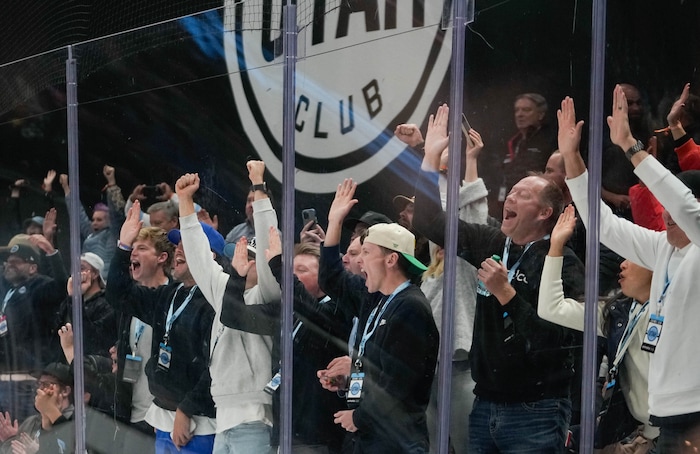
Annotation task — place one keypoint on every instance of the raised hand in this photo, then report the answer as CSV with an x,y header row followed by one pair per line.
x,y
8,427
676,112
166,192
620,133
274,244
137,193
42,243
108,172
569,136
132,225
409,134
240,261
47,184
49,227
65,334
343,201
437,138
474,145
63,180
562,231
312,233
186,186
256,171
203,216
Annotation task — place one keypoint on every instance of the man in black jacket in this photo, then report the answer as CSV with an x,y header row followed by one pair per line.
x,y
178,374
395,349
28,302
521,364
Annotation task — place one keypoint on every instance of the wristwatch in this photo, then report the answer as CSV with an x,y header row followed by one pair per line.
x,y
639,146
259,187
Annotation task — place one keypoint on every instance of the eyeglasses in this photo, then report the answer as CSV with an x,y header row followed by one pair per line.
x,y
42,384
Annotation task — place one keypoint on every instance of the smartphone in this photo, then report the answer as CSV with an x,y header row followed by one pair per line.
x,y
309,214
151,192
465,129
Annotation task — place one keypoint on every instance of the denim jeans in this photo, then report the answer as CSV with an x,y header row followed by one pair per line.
x,y
524,428
248,438
199,444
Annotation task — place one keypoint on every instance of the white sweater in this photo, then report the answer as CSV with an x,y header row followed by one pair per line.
x,y
568,312
240,362
674,370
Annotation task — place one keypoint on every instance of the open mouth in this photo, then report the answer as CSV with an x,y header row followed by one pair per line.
x,y
509,214
135,264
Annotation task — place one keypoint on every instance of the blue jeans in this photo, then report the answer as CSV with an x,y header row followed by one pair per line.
x,y
199,444
524,428
248,438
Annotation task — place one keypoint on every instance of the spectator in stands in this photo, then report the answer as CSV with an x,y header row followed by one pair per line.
x,y
99,319
30,301
99,235
670,335
531,146
515,357
395,350
617,173
240,361
177,369
358,226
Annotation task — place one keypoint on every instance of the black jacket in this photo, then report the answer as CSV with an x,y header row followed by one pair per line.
x,y
31,341
186,384
399,361
99,323
528,359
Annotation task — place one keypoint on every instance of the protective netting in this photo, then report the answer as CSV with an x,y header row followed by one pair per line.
x,y
131,27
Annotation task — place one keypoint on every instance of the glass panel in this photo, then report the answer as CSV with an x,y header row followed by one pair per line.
x,y
33,285
205,93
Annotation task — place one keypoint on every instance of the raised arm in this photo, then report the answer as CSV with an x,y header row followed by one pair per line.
x,y
340,207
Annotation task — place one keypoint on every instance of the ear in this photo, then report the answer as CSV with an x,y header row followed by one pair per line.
x,y
66,391
33,268
163,257
392,259
546,213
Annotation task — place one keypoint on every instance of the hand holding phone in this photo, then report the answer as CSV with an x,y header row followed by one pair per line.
x,y
308,215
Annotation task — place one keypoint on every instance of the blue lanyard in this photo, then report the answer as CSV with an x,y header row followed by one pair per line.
x,y
8,295
627,335
139,328
376,317
172,317
662,298
506,253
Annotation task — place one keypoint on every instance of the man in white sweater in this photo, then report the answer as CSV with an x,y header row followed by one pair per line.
x,y
240,362
671,334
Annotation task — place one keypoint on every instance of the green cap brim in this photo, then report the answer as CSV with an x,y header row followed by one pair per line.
x,y
417,266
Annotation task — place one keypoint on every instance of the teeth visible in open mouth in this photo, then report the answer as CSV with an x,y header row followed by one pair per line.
x,y
135,264
510,214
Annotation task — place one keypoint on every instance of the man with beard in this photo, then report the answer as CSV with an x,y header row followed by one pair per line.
x,y
28,300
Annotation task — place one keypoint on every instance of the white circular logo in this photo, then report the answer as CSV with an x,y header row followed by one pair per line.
x,y
363,68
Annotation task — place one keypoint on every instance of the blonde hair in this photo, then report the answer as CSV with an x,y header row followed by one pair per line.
x,y
436,267
159,238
